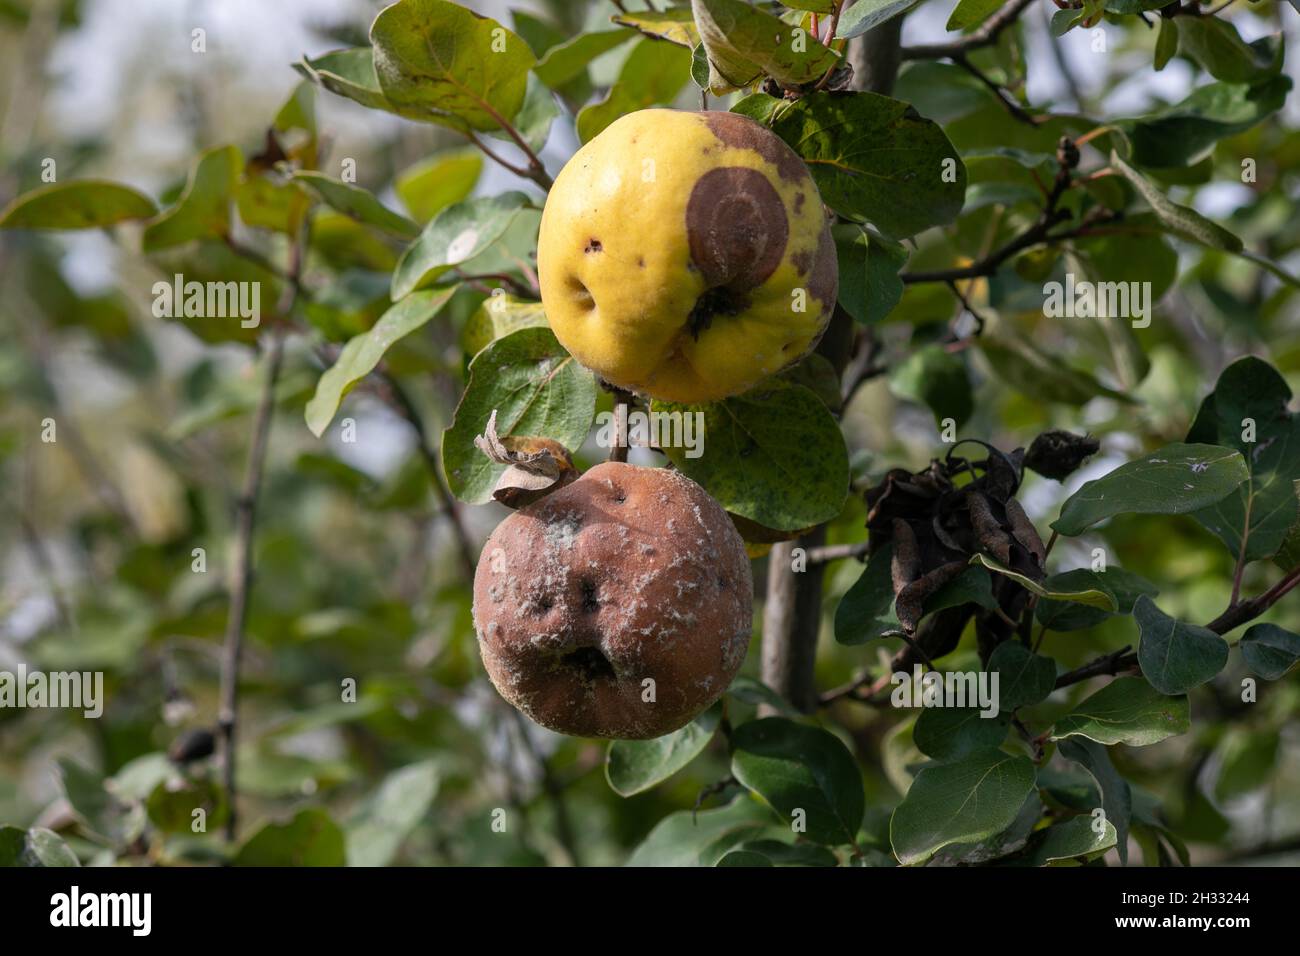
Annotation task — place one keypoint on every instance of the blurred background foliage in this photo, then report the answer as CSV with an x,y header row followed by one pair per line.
x,y
358,570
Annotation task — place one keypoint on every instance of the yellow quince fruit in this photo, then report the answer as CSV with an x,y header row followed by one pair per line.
x,y
686,256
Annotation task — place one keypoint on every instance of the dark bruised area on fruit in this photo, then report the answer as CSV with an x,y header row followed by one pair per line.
x,y
590,663
738,230
741,132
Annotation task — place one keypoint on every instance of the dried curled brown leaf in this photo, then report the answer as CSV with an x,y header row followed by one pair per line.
x,y
534,466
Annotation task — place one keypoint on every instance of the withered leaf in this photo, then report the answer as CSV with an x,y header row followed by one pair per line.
x,y
988,532
910,600
534,466
906,564
1023,530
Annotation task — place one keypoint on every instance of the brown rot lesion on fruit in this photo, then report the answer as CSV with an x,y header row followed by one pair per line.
x,y
714,302
590,601
590,664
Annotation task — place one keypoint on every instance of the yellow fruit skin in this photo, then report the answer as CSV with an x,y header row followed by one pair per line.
x,y
618,279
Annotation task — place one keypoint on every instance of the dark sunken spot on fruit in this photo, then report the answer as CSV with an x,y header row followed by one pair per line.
x,y
589,602
593,245
737,230
590,662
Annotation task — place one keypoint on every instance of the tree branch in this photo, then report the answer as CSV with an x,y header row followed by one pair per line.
x,y
402,402
241,568
1241,612
986,35
1116,662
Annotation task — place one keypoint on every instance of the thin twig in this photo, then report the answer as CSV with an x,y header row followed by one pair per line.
x,y
553,790
1003,97
1116,662
241,570
402,402
241,577
1248,610
986,35
835,552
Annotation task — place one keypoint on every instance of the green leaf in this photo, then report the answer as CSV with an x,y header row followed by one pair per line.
x,y
429,187
869,265
653,73
264,202
755,692
745,43
947,733
971,13
376,832
973,585
1175,479
1176,656
534,119
804,773
685,838
774,455
351,74
462,67
1067,841
865,14
1179,134
1182,221
536,389
1024,678
1128,710
498,316
566,61
1270,651
874,158
171,807
117,821
81,204
1116,795
360,356
1251,399
1166,43
934,377
1092,597
33,848
1041,375
1216,45
456,235
358,204
203,211
634,766
676,25
1124,586
866,611
311,838
970,799
776,853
